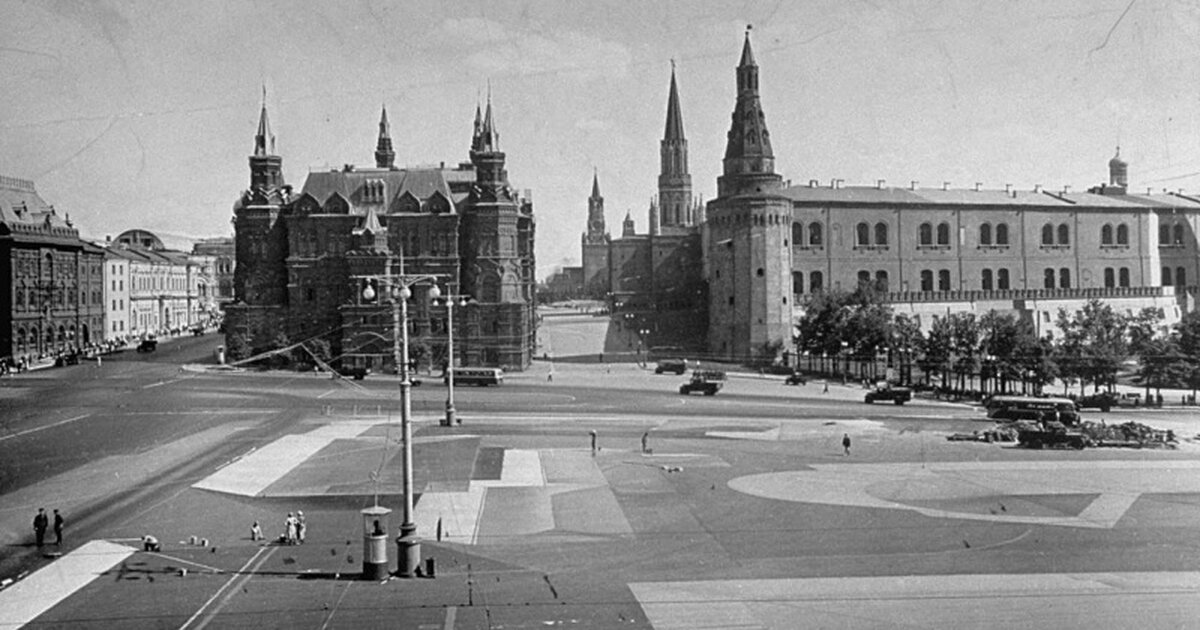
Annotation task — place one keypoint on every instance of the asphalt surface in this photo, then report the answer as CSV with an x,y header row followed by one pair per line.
x,y
723,524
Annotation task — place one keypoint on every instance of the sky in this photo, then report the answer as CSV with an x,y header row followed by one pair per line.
x,y
139,114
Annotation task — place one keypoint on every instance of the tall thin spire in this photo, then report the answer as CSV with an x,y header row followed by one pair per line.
x,y
596,184
477,131
264,141
385,156
674,179
489,138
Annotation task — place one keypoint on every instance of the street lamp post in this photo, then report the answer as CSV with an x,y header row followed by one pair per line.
x,y
451,414
400,289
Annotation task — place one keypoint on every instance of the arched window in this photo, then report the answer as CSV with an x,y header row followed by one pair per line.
x,y
1110,279
881,281
1164,235
1180,277
925,234
881,234
815,234
1122,234
1002,234
816,281
1064,234
1177,234
1002,279
862,235
798,234
1123,276
985,282
798,282
1047,234
864,278
1048,278
1064,278
944,280
926,280
1166,276
943,234
1106,235
985,234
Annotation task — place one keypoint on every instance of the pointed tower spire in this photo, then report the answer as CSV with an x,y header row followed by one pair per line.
x,y
674,180
489,138
385,156
264,142
478,129
596,184
487,156
595,225
266,168
749,162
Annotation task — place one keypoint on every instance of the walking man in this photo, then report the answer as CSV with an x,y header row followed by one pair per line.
x,y
846,443
593,434
289,529
301,527
40,523
646,442
59,521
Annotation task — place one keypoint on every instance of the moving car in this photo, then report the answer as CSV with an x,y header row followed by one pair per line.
x,y
885,392
1100,400
148,345
678,366
795,378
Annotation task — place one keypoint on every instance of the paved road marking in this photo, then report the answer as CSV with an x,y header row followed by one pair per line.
x,y
914,486
24,601
1088,601
243,575
48,426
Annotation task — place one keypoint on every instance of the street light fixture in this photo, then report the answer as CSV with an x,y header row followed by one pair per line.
x,y
400,289
451,414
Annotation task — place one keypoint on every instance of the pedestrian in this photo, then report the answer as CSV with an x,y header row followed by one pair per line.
x,y
301,527
593,434
59,522
256,531
40,523
825,390
289,529
150,543
646,442
846,443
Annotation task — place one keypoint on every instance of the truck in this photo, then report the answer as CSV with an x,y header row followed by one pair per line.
x,y
1052,434
707,382
886,391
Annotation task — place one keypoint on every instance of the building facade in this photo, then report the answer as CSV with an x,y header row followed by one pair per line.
x,y
221,251
54,298
304,259
166,291
931,251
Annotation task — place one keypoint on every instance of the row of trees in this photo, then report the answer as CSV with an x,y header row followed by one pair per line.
x,y
1001,352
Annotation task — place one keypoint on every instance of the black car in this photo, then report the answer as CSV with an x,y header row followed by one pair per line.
x,y
1100,400
897,395
678,366
795,378
148,345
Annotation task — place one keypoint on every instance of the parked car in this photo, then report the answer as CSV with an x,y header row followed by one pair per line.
x,y
148,345
886,392
795,378
678,366
707,382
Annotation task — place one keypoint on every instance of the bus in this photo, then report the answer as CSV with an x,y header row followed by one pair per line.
x,y
475,376
1032,408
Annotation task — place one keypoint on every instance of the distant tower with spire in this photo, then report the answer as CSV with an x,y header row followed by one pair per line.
x,y
594,243
260,241
675,207
385,156
749,223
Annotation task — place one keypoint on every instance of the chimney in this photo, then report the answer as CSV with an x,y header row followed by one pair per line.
x,y
1037,188
913,185
1008,188
1066,190
837,183
812,183
978,185
879,183
945,185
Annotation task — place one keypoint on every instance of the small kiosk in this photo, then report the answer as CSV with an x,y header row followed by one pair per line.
x,y
375,541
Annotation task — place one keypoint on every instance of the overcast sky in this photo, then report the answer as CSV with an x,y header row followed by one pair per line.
x,y
141,114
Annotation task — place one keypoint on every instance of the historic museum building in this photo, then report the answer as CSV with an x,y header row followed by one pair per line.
x,y
304,260
54,300
933,251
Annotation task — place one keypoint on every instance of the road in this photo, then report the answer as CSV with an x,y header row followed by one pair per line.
x,y
745,509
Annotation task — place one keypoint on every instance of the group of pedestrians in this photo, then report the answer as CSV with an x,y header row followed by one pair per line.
x,y
294,527
42,522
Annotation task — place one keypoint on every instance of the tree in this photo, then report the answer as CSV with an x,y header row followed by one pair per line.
x,y
1094,344
935,352
1188,335
1160,364
239,345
